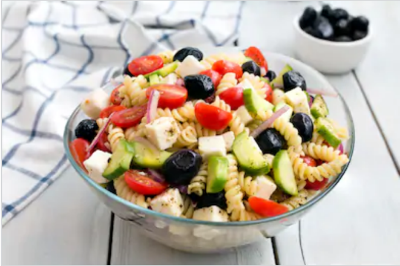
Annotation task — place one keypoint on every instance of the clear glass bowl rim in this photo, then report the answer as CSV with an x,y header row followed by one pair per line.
x,y
128,204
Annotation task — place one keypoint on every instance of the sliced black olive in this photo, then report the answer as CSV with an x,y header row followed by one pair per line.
x,y
327,12
184,52
181,167
271,75
324,27
251,68
360,23
342,27
217,199
271,141
308,17
304,125
338,14
358,35
292,80
86,129
343,39
199,86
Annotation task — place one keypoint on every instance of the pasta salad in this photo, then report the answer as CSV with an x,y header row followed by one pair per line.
x,y
217,138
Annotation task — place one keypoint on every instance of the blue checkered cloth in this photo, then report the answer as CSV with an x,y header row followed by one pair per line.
x,y
54,53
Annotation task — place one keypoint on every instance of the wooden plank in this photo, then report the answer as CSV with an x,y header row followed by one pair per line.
x,y
130,247
377,74
67,224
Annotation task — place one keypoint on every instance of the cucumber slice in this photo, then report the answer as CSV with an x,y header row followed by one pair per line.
x,y
249,155
154,79
254,102
319,107
283,173
265,80
217,173
120,160
148,158
164,71
327,131
288,114
278,81
298,100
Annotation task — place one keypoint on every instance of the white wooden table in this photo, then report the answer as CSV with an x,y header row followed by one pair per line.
x,y
358,222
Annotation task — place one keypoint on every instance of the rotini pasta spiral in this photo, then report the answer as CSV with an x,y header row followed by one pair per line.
x,y
114,135
317,138
333,168
198,183
236,124
288,131
221,104
256,82
254,124
243,215
136,131
167,56
296,201
187,137
227,81
128,194
233,193
302,170
324,153
188,207
200,130
181,114
133,89
264,115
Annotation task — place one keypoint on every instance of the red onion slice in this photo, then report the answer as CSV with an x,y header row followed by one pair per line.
x,y
147,143
152,105
322,92
340,148
156,176
99,134
180,82
182,189
269,121
310,101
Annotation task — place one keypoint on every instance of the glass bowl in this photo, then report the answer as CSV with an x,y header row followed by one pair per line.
x,y
208,237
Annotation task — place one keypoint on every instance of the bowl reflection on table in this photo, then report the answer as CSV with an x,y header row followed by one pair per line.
x,y
203,236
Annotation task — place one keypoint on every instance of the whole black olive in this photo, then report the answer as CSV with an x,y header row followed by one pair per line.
x,y
327,12
358,35
324,27
184,52
271,141
86,129
199,86
342,27
181,167
313,32
308,17
303,123
271,75
251,68
343,39
126,72
360,23
217,199
338,14
292,80
110,187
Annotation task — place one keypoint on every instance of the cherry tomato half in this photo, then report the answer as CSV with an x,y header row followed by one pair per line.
x,y
233,96
212,117
114,98
129,117
214,75
171,96
255,54
78,148
317,185
266,208
101,145
309,161
106,112
224,66
145,64
268,92
142,183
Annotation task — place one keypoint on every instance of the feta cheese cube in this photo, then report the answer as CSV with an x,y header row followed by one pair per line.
x,y
214,145
189,66
169,79
278,96
212,213
169,202
229,138
163,132
264,187
96,101
245,84
96,164
298,100
244,115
